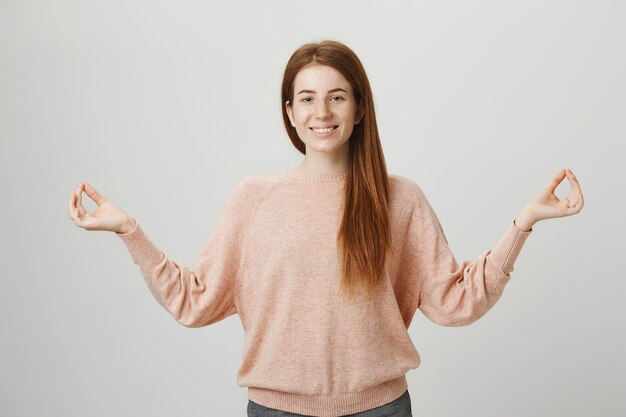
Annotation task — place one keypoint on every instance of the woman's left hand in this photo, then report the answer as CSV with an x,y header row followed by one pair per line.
x,y
546,205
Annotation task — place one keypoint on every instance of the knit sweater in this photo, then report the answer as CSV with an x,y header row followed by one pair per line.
x,y
272,259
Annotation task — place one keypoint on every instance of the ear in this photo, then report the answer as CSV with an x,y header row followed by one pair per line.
x,y
360,114
289,112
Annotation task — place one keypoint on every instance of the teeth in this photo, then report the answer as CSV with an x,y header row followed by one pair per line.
x,y
326,130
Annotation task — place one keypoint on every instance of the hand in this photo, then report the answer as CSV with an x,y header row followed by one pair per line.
x,y
546,205
107,216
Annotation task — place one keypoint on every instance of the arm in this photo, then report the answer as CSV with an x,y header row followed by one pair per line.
x,y
453,294
203,295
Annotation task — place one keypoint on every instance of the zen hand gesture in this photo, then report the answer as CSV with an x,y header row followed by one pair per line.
x,y
546,205
107,216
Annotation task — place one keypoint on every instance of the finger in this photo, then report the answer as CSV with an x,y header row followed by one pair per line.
x,y
573,197
75,195
574,209
574,206
572,175
572,178
77,219
555,181
70,206
79,202
580,203
74,209
574,183
76,212
571,202
93,194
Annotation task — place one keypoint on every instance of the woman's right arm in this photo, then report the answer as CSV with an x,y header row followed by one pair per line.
x,y
194,297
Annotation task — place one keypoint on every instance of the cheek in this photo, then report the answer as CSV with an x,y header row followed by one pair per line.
x,y
300,117
349,112
347,118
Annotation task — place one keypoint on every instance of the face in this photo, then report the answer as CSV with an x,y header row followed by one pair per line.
x,y
323,99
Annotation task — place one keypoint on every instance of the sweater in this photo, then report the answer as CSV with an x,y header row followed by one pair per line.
x,y
272,259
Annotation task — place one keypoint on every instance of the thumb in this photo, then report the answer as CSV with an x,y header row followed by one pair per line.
x,y
555,181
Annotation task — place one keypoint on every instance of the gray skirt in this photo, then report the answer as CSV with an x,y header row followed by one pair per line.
x,y
400,407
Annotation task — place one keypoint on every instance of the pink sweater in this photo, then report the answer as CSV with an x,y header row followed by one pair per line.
x,y
272,259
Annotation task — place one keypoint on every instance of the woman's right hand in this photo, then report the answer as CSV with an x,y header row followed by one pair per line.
x,y
107,216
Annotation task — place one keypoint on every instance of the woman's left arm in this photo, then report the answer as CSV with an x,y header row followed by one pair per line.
x,y
546,205
450,293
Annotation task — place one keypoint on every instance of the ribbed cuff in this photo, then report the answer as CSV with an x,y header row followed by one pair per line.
x,y
134,227
140,246
504,254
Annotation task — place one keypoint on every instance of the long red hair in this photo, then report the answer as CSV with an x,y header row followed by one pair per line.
x,y
364,237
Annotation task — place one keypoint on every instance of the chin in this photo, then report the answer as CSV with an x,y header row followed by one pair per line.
x,y
325,147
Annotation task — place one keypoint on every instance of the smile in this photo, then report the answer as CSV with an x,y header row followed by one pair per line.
x,y
325,130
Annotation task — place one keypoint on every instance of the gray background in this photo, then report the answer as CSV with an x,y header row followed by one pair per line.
x,y
163,106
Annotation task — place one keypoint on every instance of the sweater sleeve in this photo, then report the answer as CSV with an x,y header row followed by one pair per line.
x,y
205,294
453,294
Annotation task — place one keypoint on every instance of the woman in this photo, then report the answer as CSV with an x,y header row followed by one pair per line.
x,y
327,263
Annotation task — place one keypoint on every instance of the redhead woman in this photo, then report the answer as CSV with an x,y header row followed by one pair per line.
x,y
326,263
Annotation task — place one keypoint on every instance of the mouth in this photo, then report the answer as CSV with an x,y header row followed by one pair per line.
x,y
324,130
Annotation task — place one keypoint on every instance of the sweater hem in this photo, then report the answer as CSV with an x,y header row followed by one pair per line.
x,y
329,405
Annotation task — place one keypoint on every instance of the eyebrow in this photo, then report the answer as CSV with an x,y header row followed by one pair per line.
x,y
330,91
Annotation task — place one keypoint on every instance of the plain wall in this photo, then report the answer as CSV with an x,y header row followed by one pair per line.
x,y
164,106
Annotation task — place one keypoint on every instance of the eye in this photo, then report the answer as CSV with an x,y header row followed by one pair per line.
x,y
306,99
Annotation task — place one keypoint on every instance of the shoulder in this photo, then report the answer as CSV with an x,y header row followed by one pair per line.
x,y
404,187
250,183
250,190
256,183
251,187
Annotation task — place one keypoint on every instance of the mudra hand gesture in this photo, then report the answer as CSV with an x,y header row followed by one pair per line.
x,y
546,205
107,215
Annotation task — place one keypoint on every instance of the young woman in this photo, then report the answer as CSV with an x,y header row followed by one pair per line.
x,y
327,263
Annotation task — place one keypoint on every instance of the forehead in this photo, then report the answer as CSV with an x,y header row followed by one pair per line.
x,y
319,78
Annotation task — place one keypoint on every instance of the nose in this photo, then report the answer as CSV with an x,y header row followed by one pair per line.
x,y
322,110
